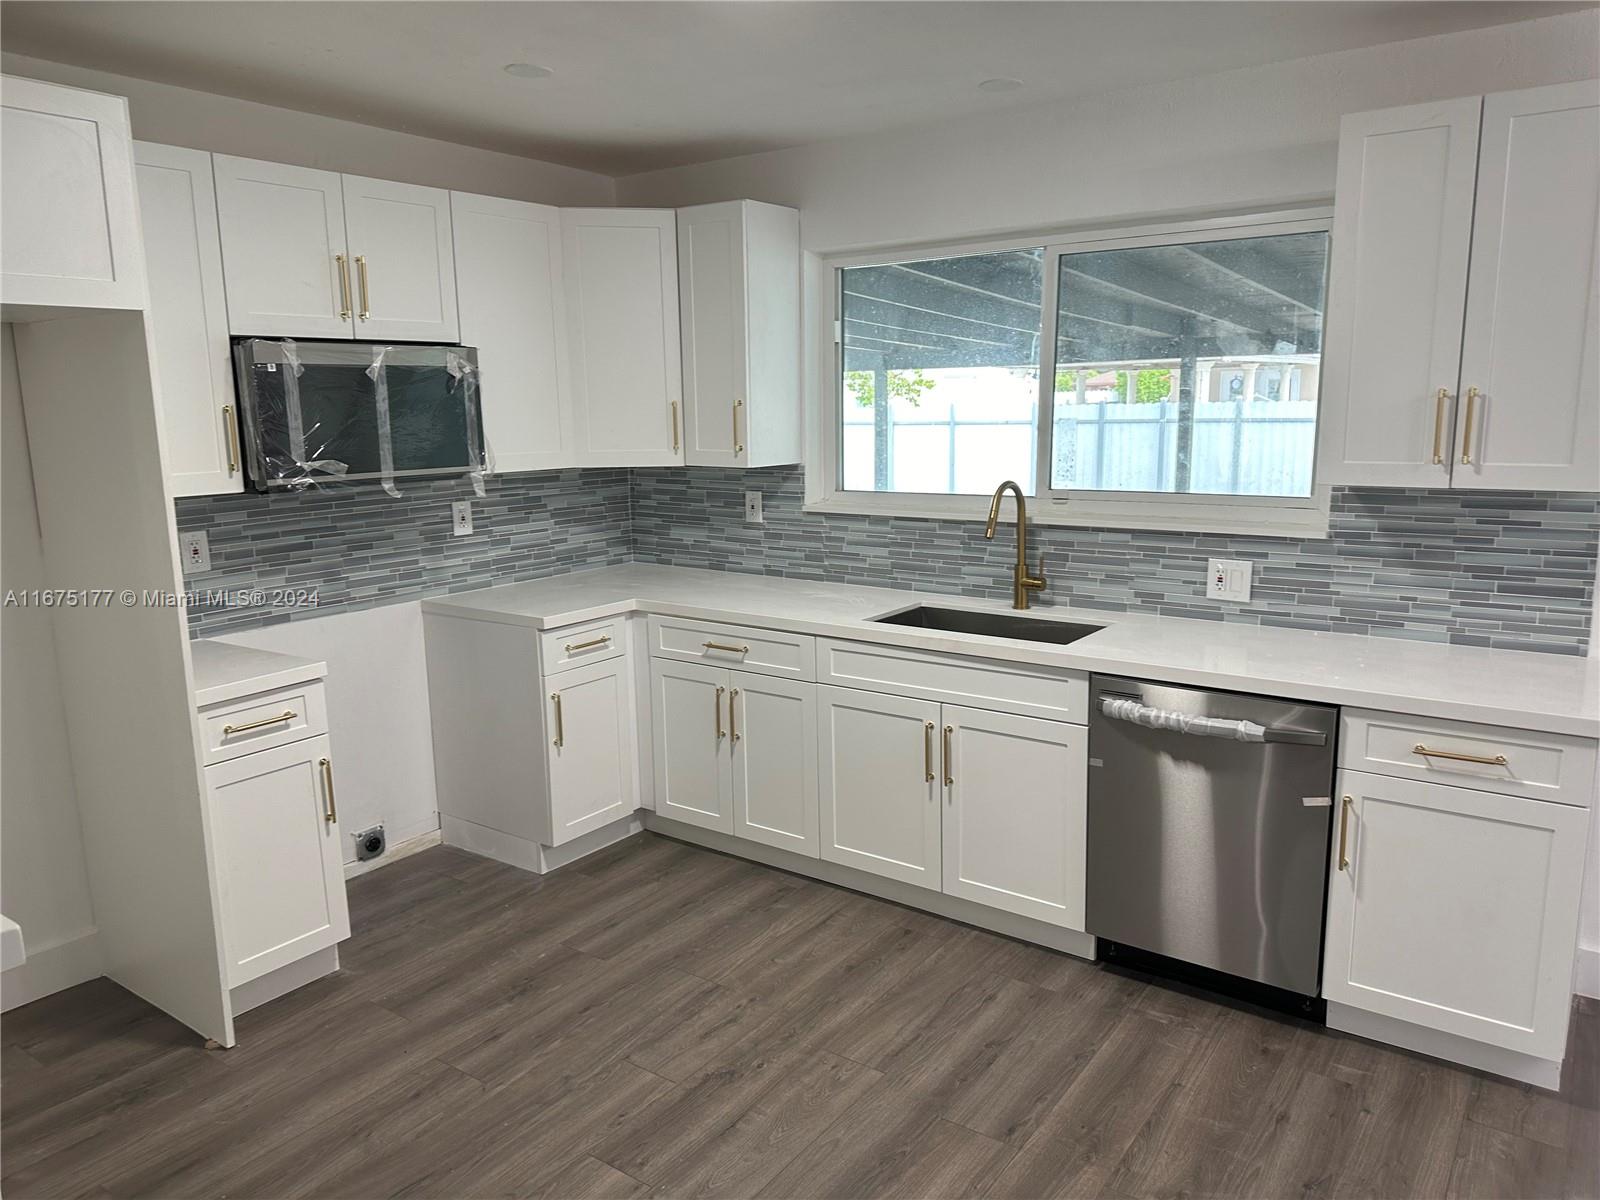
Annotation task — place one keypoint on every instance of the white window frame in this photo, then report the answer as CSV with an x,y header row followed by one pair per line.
x,y
1305,517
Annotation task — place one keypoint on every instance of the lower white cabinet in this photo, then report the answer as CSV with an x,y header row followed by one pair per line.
x,y
275,826
1456,910
591,749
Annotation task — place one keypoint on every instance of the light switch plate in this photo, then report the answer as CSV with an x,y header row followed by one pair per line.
x,y
1228,579
461,517
196,552
752,509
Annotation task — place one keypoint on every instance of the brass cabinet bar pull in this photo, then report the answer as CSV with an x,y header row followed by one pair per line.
x,y
738,445
561,729
344,286
361,278
949,777
733,716
1438,426
729,649
674,407
573,647
1466,427
229,436
1498,760
287,714
1344,831
331,813
927,752
717,704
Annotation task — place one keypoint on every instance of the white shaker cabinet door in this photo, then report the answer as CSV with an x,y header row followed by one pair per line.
x,y
1455,909
189,320
280,869
284,261
402,261
878,761
713,309
772,738
620,268
508,283
1530,364
1016,812
1397,282
592,748
689,726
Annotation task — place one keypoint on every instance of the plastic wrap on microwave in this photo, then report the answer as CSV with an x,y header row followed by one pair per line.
x,y
463,372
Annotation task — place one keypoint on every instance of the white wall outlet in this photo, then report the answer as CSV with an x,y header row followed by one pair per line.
x,y
461,517
1228,579
196,552
752,509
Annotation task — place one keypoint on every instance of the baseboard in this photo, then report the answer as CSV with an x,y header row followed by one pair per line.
x,y
52,968
1586,972
1026,929
284,980
531,856
395,852
1450,1047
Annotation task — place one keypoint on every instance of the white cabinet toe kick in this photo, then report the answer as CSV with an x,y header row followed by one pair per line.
x,y
1457,850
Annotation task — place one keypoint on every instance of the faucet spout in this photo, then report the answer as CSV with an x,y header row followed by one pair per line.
x,y
1022,582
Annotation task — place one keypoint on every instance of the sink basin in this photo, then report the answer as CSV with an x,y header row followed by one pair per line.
x,y
989,624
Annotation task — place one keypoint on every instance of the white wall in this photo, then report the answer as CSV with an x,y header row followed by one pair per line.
x,y
44,884
378,718
180,117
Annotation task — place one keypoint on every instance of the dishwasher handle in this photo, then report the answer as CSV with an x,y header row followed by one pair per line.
x,y
1121,707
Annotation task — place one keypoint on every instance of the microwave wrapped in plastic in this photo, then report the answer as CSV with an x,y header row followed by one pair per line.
x,y
320,413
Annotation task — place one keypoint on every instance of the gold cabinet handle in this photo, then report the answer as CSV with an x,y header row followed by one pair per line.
x,y
927,752
723,646
949,777
561,729
1466,427
717,704
361,278
574,647
344,286
1497,760
738,445
331,812
231,437
287,714
733,716
675,443
1438,425
1344,832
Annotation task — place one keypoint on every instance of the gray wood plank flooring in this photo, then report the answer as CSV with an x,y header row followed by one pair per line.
x,y
661,1020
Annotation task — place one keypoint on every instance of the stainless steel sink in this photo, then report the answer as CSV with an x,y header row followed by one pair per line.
x,y
989,624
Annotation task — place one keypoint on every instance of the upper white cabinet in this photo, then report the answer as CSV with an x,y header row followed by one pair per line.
x,y
739,287
508,279
69,225
316,254
188,319
620,269
1462,311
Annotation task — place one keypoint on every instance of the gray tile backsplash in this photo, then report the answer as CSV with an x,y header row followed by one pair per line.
x,y
1501,569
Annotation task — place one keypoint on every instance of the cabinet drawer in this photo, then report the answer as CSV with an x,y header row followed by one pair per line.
x,y
1514,762
790,655
266,719
977,683
575,645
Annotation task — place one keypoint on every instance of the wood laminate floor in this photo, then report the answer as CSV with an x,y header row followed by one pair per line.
x,y
663,1020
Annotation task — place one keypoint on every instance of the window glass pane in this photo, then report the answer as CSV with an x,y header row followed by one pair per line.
x,y
941,373
1190,368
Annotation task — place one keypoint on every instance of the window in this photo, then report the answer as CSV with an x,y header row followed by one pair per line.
x,y
1176,386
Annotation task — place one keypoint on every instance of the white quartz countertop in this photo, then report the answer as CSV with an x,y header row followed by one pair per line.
x,y
1514,688
224,671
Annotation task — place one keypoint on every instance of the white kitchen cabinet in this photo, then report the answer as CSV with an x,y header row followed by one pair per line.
x,y
591,749
69,223
1016,812
689,727
772,755
620,273
188,319
402,260
1455,910
285,261
1530,360
739,288
280,873
508,281
879,757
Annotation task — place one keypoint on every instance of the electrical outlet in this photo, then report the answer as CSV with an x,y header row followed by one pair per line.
x,y
461,517
1228,579
752,509
196,552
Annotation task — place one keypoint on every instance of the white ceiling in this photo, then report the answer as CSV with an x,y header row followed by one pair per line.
x,y
637,86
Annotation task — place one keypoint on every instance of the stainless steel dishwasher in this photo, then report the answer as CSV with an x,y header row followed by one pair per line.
x,y
1209,820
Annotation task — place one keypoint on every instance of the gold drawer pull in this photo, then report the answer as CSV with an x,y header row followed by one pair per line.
x,y
287,714
716,704
949,776
738,444
361,277
674,426
729,649
574,647
344,286
1498,760
927,751
1438,426
561,732
733,716
331,813
232,438
1466,427
1344,829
